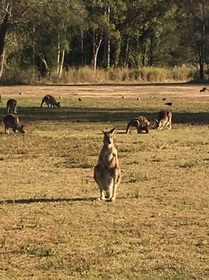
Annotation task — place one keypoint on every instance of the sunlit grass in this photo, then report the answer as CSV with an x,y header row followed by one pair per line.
x,y
53,226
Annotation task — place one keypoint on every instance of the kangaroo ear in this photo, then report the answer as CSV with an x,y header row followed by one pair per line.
x,y
112,130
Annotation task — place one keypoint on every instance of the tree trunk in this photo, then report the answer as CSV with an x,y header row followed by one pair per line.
x,y
82,48
45,69
151,49
61,63
117,53
108,41
144,55
3,34
201,62
201,48
97,41
125,64
58,55
95,54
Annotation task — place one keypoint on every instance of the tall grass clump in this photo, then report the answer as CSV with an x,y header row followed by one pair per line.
x,y
184,73
13,76
128,75
75,75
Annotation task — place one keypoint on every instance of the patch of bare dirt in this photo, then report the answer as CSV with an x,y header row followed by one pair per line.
x,y
131,90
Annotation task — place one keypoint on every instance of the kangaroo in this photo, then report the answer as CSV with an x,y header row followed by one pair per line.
x,y
164,119
50,101
12,121
140,123
204,89
12,107
107,172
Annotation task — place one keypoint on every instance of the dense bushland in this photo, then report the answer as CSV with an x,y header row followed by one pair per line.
x,y
58,40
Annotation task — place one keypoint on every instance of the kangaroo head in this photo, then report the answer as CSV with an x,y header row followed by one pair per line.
x,y
21,129
145,128
108,136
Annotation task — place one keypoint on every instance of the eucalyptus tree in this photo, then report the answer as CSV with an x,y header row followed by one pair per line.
x,y
49,33
192,19
5,19
41,29
12,13
102,21
145,25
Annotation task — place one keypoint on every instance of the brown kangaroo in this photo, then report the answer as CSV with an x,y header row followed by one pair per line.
x,y
140,123
12,107
164,119
12,121
50,101
107,172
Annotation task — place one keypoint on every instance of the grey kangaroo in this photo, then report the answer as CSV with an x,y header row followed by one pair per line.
x,y
107,172
50,101
164,119
12,121
12,107
140,123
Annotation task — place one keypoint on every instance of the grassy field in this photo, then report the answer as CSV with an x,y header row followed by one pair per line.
x,y
51,224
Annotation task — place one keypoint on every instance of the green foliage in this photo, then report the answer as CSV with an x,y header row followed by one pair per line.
x,y
51,36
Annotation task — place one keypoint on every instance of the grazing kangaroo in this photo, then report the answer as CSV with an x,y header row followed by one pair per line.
x,y
164,119
12,121
107,172
140,123
50,101
204,89
12,107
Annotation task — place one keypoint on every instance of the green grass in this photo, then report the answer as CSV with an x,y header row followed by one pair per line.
x,y
53,226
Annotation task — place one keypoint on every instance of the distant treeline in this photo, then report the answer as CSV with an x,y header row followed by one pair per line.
x,y
53,39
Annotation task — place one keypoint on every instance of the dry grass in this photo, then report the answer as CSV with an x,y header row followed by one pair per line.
x,y
53,226
86,74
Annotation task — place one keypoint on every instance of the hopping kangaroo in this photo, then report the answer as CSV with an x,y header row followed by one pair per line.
x,y
107,172
50,101
140,123
164,119
12,121
12,107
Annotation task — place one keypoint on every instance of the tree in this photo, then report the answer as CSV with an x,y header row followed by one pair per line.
x,y
43,29
192,19
145,25
49,34
4,27
14,14
102,27
52,31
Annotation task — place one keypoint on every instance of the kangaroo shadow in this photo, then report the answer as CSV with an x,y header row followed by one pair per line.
x,y
49,200
45,200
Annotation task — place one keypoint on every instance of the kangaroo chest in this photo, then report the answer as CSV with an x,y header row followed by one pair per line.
x,y
108,157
